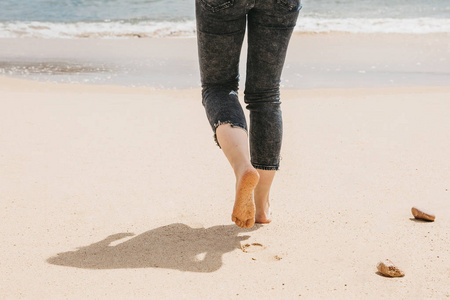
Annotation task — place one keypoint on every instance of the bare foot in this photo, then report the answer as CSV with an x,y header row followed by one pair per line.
x,y
262,209
262,192
244,206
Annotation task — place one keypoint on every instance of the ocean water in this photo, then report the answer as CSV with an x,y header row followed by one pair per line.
x,y
151,18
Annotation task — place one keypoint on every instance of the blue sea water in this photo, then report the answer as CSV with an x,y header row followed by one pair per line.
x,y
66,20
181,10
125,18
96,10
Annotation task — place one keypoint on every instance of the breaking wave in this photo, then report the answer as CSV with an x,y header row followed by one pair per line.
x,y
141,29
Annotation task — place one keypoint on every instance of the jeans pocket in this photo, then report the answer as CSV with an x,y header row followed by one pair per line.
x,y
217,5
291,5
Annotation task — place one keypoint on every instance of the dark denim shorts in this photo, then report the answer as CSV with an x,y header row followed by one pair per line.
x,y
221,26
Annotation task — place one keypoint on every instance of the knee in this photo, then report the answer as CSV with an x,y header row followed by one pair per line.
x,y
269,97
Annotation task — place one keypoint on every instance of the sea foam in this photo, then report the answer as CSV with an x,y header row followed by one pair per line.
x,y
122,29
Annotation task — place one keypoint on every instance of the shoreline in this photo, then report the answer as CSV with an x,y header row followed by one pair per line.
x,y
187,27
12,84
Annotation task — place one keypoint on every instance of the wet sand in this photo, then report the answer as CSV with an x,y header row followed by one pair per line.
x,y
314,61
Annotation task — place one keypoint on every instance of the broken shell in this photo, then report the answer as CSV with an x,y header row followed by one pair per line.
x,y
387,268
421,214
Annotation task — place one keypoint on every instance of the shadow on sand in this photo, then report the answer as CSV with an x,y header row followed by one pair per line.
x,y
420,220
175,246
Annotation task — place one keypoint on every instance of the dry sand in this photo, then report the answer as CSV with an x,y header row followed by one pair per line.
x,y
119,192
111,192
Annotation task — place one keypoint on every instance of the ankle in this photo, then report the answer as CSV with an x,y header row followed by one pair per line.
x,y
244,168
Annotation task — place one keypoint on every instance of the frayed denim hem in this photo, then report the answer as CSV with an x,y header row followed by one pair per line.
x,y
264,167
234,125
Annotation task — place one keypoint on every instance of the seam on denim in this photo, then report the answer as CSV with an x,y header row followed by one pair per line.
x,y
234,125
264,167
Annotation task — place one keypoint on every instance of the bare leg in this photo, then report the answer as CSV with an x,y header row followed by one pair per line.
x,y
234,143
262,201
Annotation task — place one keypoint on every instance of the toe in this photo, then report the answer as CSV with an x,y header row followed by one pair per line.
x,y
233,218
239,223
250,223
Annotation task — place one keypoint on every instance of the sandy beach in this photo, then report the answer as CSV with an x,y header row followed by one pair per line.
x,y
114,191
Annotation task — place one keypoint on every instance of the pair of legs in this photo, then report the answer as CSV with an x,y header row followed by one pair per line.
x,y
252,185
221,26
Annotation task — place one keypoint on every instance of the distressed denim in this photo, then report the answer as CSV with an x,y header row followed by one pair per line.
x,y
221,26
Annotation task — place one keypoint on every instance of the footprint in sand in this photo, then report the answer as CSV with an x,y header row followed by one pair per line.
x,y
258,254
253,247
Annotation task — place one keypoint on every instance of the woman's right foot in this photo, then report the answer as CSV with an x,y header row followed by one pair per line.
x,y
262,214
261,196
244,206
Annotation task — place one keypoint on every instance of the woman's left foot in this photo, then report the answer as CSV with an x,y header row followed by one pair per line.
x,y
244,207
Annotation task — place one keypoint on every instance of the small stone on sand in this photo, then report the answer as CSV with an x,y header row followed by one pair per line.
x,y
421,214
387,268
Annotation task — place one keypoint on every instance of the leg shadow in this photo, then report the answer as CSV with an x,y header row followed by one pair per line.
x,y
175,246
